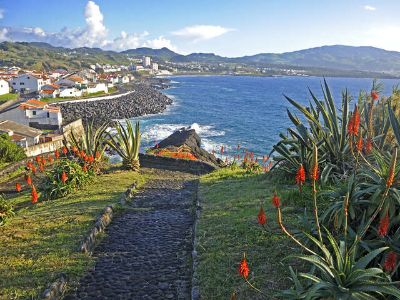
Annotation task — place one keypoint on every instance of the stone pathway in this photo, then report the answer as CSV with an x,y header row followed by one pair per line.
x,y
147,251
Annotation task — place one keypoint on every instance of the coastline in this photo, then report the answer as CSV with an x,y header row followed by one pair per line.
x,y
142,99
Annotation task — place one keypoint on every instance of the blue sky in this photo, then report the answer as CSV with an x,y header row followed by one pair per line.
x,y
225,27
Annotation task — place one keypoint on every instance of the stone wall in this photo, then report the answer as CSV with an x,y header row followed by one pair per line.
x,y
174,164
43,148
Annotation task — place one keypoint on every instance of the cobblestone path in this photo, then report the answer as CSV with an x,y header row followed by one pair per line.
x,y
147,251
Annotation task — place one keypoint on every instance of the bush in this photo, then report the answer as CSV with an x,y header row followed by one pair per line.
x,y
9,151
65,177
6,210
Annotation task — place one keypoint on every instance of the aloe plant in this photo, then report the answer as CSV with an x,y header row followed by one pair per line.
x,y
126,142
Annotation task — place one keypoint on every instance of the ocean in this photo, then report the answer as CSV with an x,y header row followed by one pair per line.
x,y
246,110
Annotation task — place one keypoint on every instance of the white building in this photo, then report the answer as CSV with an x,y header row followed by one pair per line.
x,y
28,83
154,66
34,113
4,87
70,92
20,134
97,87
146,61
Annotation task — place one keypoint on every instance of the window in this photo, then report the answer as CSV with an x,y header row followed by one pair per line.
x,y
28,77
14,83
22,83
34,112
48,115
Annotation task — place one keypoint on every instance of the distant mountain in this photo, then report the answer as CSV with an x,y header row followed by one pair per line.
x,y
339,59
333,57
163,53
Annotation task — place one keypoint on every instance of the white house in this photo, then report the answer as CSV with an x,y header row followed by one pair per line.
x,y
20,134
34,113
4,87
70,92
123,79
72,81
97,87
28,83
48,93
146,61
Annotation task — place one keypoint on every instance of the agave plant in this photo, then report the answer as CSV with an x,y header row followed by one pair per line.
x,y
93,140
326,127
126,142
340,274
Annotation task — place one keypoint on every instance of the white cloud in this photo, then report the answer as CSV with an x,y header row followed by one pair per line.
x,y
382,36
369,7
94,34
201,32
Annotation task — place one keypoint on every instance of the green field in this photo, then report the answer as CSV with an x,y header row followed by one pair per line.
x,y
7,97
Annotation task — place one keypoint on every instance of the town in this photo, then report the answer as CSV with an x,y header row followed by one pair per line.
x,y
29,112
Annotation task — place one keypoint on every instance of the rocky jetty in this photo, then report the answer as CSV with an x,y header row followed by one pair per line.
x,y
189,138
143,100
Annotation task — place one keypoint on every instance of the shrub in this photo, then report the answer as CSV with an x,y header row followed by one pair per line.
x,y
6,210
126,142
9,151
65,177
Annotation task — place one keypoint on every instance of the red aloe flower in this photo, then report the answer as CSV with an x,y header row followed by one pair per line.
x,y
33,169
374,95
82,154
356,121
360,143
276,201
43,160
28,179
34,195
84,168
41,168
262,218
390,261
18,187
64,177
74,149
38,159
97,154
57,154
244,268
300,175
384,225
50,159
64,150
29,165
350,126
314,172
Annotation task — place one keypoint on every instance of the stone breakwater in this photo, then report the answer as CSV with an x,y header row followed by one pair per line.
x,y
143,100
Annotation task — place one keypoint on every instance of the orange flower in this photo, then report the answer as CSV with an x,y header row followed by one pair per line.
x,y
91,158
33,169
84,168
43,160
38,159
41,168
50,159
97,154
276,201
28,179
82,154
384,225
390,261
244,268
360,143
390,179
64,177
356,121
65,150
301,175
262,218
74,149
57,154
34,195
350,126
18,187
314,172
374,95
29,165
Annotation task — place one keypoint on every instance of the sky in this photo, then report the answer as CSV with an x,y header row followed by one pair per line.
x,y
224,27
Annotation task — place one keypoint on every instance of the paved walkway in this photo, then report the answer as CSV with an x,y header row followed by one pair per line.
x,y
147,251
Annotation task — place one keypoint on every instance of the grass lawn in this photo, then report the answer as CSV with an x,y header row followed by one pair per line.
x,y
230,201
43,240
7,97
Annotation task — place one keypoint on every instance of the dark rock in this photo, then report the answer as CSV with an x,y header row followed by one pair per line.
x,y
190,138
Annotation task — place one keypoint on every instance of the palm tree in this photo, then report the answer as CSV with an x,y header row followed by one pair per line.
x,y
126,142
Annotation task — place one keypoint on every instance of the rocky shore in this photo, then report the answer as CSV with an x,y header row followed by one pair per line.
x,y
143,100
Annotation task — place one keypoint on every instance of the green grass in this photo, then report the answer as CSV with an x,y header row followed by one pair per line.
x,y
230,201
7,97
42,240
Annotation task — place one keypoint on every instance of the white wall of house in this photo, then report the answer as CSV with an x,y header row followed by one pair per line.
x,y
25,117
100,87
70,92
4,87
27,82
